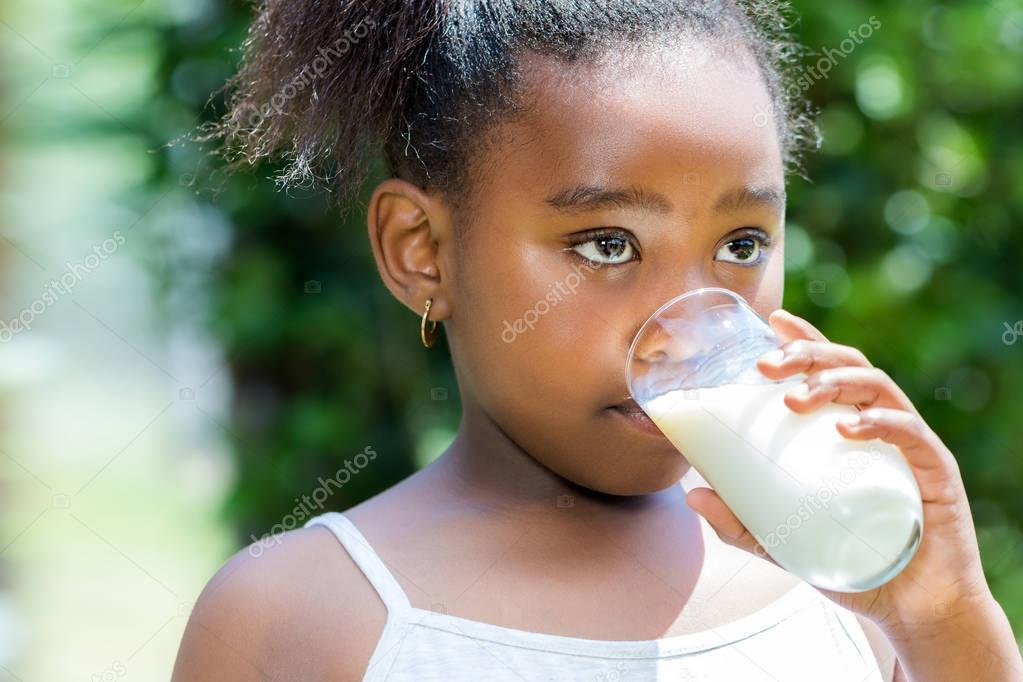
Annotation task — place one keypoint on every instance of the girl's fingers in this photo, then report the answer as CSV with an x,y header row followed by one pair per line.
x,y
791,327
935,466
807,357
805,349
708,504
861,387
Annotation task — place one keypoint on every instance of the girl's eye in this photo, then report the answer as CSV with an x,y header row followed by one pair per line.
x,y
745,250
612,248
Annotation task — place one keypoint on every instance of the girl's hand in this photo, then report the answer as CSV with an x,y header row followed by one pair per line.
x,y
945,578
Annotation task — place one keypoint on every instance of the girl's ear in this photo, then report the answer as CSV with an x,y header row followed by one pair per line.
x,y
410,232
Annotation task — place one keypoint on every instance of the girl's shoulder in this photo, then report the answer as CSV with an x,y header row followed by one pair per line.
x,y
289,607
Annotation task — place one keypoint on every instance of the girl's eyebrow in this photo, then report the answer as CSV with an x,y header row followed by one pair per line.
x,y
749,196
583,198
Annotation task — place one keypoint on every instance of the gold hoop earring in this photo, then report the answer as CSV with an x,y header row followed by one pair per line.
x,y
428,336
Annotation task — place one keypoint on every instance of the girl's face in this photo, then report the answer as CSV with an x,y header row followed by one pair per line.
x,y
621,186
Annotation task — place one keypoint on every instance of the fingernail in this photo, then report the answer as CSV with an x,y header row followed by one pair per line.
x,y
853,420
774,357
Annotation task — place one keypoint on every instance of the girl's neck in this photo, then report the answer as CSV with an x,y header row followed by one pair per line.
x,y
486,468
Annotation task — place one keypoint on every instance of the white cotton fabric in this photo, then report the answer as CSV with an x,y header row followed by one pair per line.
x,y
800,637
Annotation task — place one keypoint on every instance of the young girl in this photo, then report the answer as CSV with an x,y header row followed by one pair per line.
x,y
617,152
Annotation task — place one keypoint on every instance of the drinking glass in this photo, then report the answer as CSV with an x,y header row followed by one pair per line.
x,y
841,514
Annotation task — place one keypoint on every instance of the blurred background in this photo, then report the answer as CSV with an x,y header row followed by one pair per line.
x,y
183,355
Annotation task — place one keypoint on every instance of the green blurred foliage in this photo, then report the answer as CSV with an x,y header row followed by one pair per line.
x,y
905,231
901,245
323,360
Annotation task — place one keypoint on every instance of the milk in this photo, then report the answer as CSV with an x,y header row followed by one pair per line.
x,y
842,514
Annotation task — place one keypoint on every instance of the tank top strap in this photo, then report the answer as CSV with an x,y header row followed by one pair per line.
x,y
366,558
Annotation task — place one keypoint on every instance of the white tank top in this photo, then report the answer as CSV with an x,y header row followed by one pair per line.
x,y
800,637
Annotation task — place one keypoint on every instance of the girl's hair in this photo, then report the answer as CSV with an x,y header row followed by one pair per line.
x,y
327,87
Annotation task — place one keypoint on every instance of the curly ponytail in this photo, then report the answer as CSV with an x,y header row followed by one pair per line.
x,y
330,86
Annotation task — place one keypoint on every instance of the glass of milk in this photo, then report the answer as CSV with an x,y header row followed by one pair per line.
x,y
843,515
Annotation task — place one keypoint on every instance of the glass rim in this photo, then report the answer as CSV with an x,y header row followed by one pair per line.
x,y
672,301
